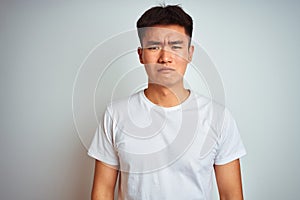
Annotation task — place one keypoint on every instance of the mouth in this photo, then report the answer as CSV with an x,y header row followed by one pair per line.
x,y
165,69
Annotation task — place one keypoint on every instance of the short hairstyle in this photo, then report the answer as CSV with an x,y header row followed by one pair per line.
x,y
165,15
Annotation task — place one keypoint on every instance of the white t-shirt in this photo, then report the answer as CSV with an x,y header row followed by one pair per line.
x,y
166,153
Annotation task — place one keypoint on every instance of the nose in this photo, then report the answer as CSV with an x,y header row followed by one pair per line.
x,y
165,56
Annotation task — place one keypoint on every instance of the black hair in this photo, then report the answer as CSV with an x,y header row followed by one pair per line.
x,y
165,15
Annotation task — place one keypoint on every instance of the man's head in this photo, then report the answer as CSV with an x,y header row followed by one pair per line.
x,y
165,15
165,35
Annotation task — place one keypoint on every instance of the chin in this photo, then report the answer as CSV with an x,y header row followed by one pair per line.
x,y
169,83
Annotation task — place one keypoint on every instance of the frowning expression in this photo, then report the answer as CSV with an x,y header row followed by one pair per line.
x,y
165,53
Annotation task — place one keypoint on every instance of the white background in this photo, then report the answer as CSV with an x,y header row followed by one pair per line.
x,y
254,45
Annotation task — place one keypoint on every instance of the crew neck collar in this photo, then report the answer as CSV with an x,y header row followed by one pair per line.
x,y
179,106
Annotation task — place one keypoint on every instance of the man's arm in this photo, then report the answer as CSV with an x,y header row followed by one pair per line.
x,y
105,177
229,181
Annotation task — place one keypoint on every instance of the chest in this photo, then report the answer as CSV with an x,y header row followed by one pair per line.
x,y
186,146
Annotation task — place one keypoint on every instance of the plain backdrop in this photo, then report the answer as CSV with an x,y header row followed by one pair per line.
x,y
254,45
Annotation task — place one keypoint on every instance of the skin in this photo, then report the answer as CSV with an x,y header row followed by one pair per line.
x,y
105,178
165,53
229,181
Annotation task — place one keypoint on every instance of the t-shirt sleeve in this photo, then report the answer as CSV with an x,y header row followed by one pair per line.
x,y
102,147
230,145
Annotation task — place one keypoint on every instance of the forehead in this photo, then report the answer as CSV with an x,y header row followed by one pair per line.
x,y
165,32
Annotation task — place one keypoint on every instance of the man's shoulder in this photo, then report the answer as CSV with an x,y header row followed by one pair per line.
x,y
211,111
207,103
122,104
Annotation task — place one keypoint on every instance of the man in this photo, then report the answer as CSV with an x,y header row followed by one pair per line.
x,y
166,142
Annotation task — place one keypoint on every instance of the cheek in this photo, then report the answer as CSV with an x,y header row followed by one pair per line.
x,y
182,56
182,65
183,69
148,59
150,69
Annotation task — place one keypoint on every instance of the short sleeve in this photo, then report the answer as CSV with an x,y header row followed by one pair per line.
x,y
102,147
230,145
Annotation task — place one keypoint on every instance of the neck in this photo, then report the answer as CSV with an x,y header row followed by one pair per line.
x,y
166,97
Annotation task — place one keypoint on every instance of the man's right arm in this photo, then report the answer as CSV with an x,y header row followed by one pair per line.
x,y
105,177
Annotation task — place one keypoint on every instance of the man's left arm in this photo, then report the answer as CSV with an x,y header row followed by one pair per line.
x,y
229,180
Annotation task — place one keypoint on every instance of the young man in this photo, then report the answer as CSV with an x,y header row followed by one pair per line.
x,y
166,142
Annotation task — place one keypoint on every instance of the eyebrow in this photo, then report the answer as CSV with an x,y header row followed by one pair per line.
x,y
151,42
176,42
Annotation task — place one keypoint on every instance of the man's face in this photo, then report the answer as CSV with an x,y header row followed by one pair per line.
x,y
165,53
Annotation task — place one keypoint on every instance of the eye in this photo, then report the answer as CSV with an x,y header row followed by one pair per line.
x,y
153,48
176,47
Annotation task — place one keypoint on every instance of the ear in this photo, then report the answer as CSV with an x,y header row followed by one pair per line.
x,y
140,53
191,53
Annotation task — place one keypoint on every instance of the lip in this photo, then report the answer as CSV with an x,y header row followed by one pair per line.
x,y
165,69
